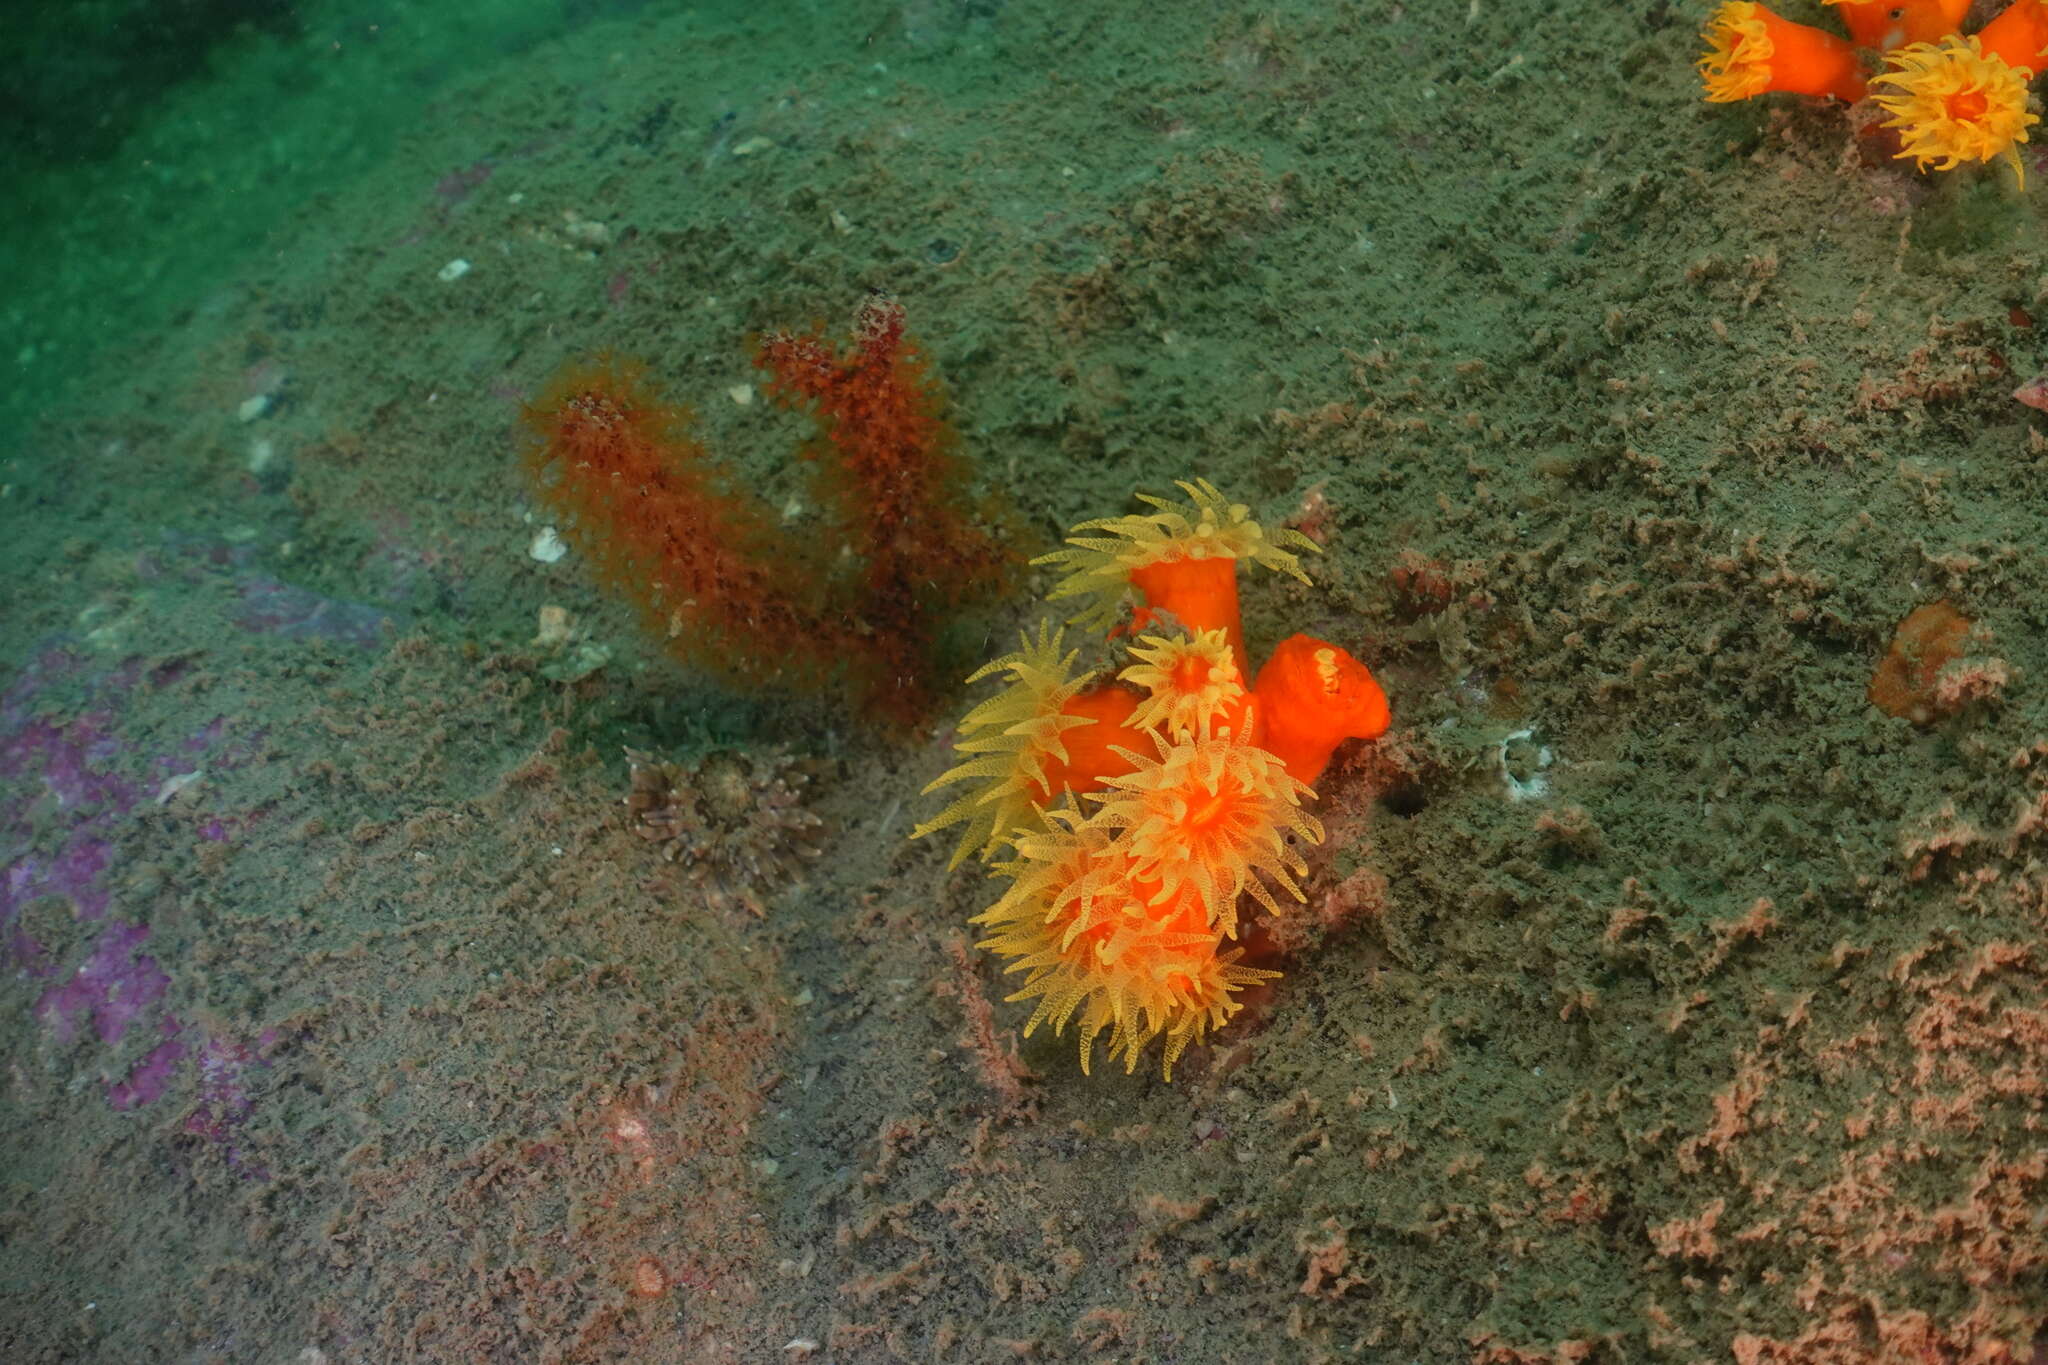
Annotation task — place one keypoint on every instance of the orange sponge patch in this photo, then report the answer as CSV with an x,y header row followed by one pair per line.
x,y
1927,641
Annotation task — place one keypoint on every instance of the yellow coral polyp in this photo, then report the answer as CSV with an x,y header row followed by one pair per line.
x,y
1010,738
1191,683
1737,62
1208,818
1206,527
1951,104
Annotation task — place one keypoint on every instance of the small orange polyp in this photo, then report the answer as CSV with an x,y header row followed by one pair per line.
x,y
1752,51
1312,696
2019,36
1886,24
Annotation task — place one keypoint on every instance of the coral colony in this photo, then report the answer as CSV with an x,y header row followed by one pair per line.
x,y
714,571
1951,99
1194,778
1194,782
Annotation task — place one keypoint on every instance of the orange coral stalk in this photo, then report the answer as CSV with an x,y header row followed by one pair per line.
x,y
1886,24
1313,696
1751,51
2019,36
1201,594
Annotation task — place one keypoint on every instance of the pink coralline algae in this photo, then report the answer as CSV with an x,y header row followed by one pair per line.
x,y
64,798
150,1077
113,987
224,1101
71,790
59,775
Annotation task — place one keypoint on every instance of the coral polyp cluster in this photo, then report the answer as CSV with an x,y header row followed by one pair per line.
x,y
1951,99
1139,805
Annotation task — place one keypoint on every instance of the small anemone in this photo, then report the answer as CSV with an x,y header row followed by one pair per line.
x,y
735,822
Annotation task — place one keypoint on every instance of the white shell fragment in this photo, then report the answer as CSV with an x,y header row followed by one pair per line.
x,y
547,547
1531,762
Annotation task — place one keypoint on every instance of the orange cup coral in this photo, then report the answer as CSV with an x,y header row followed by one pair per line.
x,y
1752,50
1886,24
1205,818
1140,811
2019,36
1950,104
1077,922
1192,683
